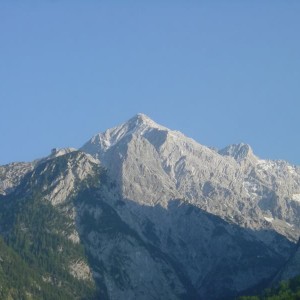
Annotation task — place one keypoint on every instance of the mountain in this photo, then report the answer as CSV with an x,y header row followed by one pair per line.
x,y
144,212
154,164
286,284
291,268
11,175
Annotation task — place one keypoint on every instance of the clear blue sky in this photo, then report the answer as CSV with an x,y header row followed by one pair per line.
x,y
221,72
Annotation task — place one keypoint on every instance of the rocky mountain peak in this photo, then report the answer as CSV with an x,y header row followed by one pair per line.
x,y
138,125
154,164
141,119
239,151
208,224
55,152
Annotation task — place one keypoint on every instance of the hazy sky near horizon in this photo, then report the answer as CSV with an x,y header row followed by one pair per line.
x,y
221,72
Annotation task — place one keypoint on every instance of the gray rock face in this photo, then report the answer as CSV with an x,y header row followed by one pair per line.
x,y
154,164
163,217
12,174
239,152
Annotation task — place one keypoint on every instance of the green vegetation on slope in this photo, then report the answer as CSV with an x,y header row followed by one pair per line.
x,y
287,290
17,279
36,254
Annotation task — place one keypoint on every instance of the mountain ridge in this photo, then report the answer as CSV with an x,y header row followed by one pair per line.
x,y
180,155
151,214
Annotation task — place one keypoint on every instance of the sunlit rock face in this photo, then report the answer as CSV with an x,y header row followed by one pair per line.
x,y
159,216
154,165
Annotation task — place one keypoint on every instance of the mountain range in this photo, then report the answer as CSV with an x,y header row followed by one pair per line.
x,y
144,212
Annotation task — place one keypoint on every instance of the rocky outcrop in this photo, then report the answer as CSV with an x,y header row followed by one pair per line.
x,y
153,214
154,164
12,174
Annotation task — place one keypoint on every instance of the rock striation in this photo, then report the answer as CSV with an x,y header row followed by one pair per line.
x,y
159,216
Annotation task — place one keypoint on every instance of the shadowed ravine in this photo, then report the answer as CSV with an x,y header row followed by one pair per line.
x,y
199,253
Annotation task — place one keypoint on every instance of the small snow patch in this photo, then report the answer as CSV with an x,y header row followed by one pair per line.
x,y
269,219
296,197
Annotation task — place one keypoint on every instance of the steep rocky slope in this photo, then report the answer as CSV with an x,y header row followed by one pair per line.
x,y
154,164
143,212
292,267
37,224
12,174
68,222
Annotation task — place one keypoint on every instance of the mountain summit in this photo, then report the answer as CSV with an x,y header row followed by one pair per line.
x,y
144,212
101,142
239,152
154,164
142,119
